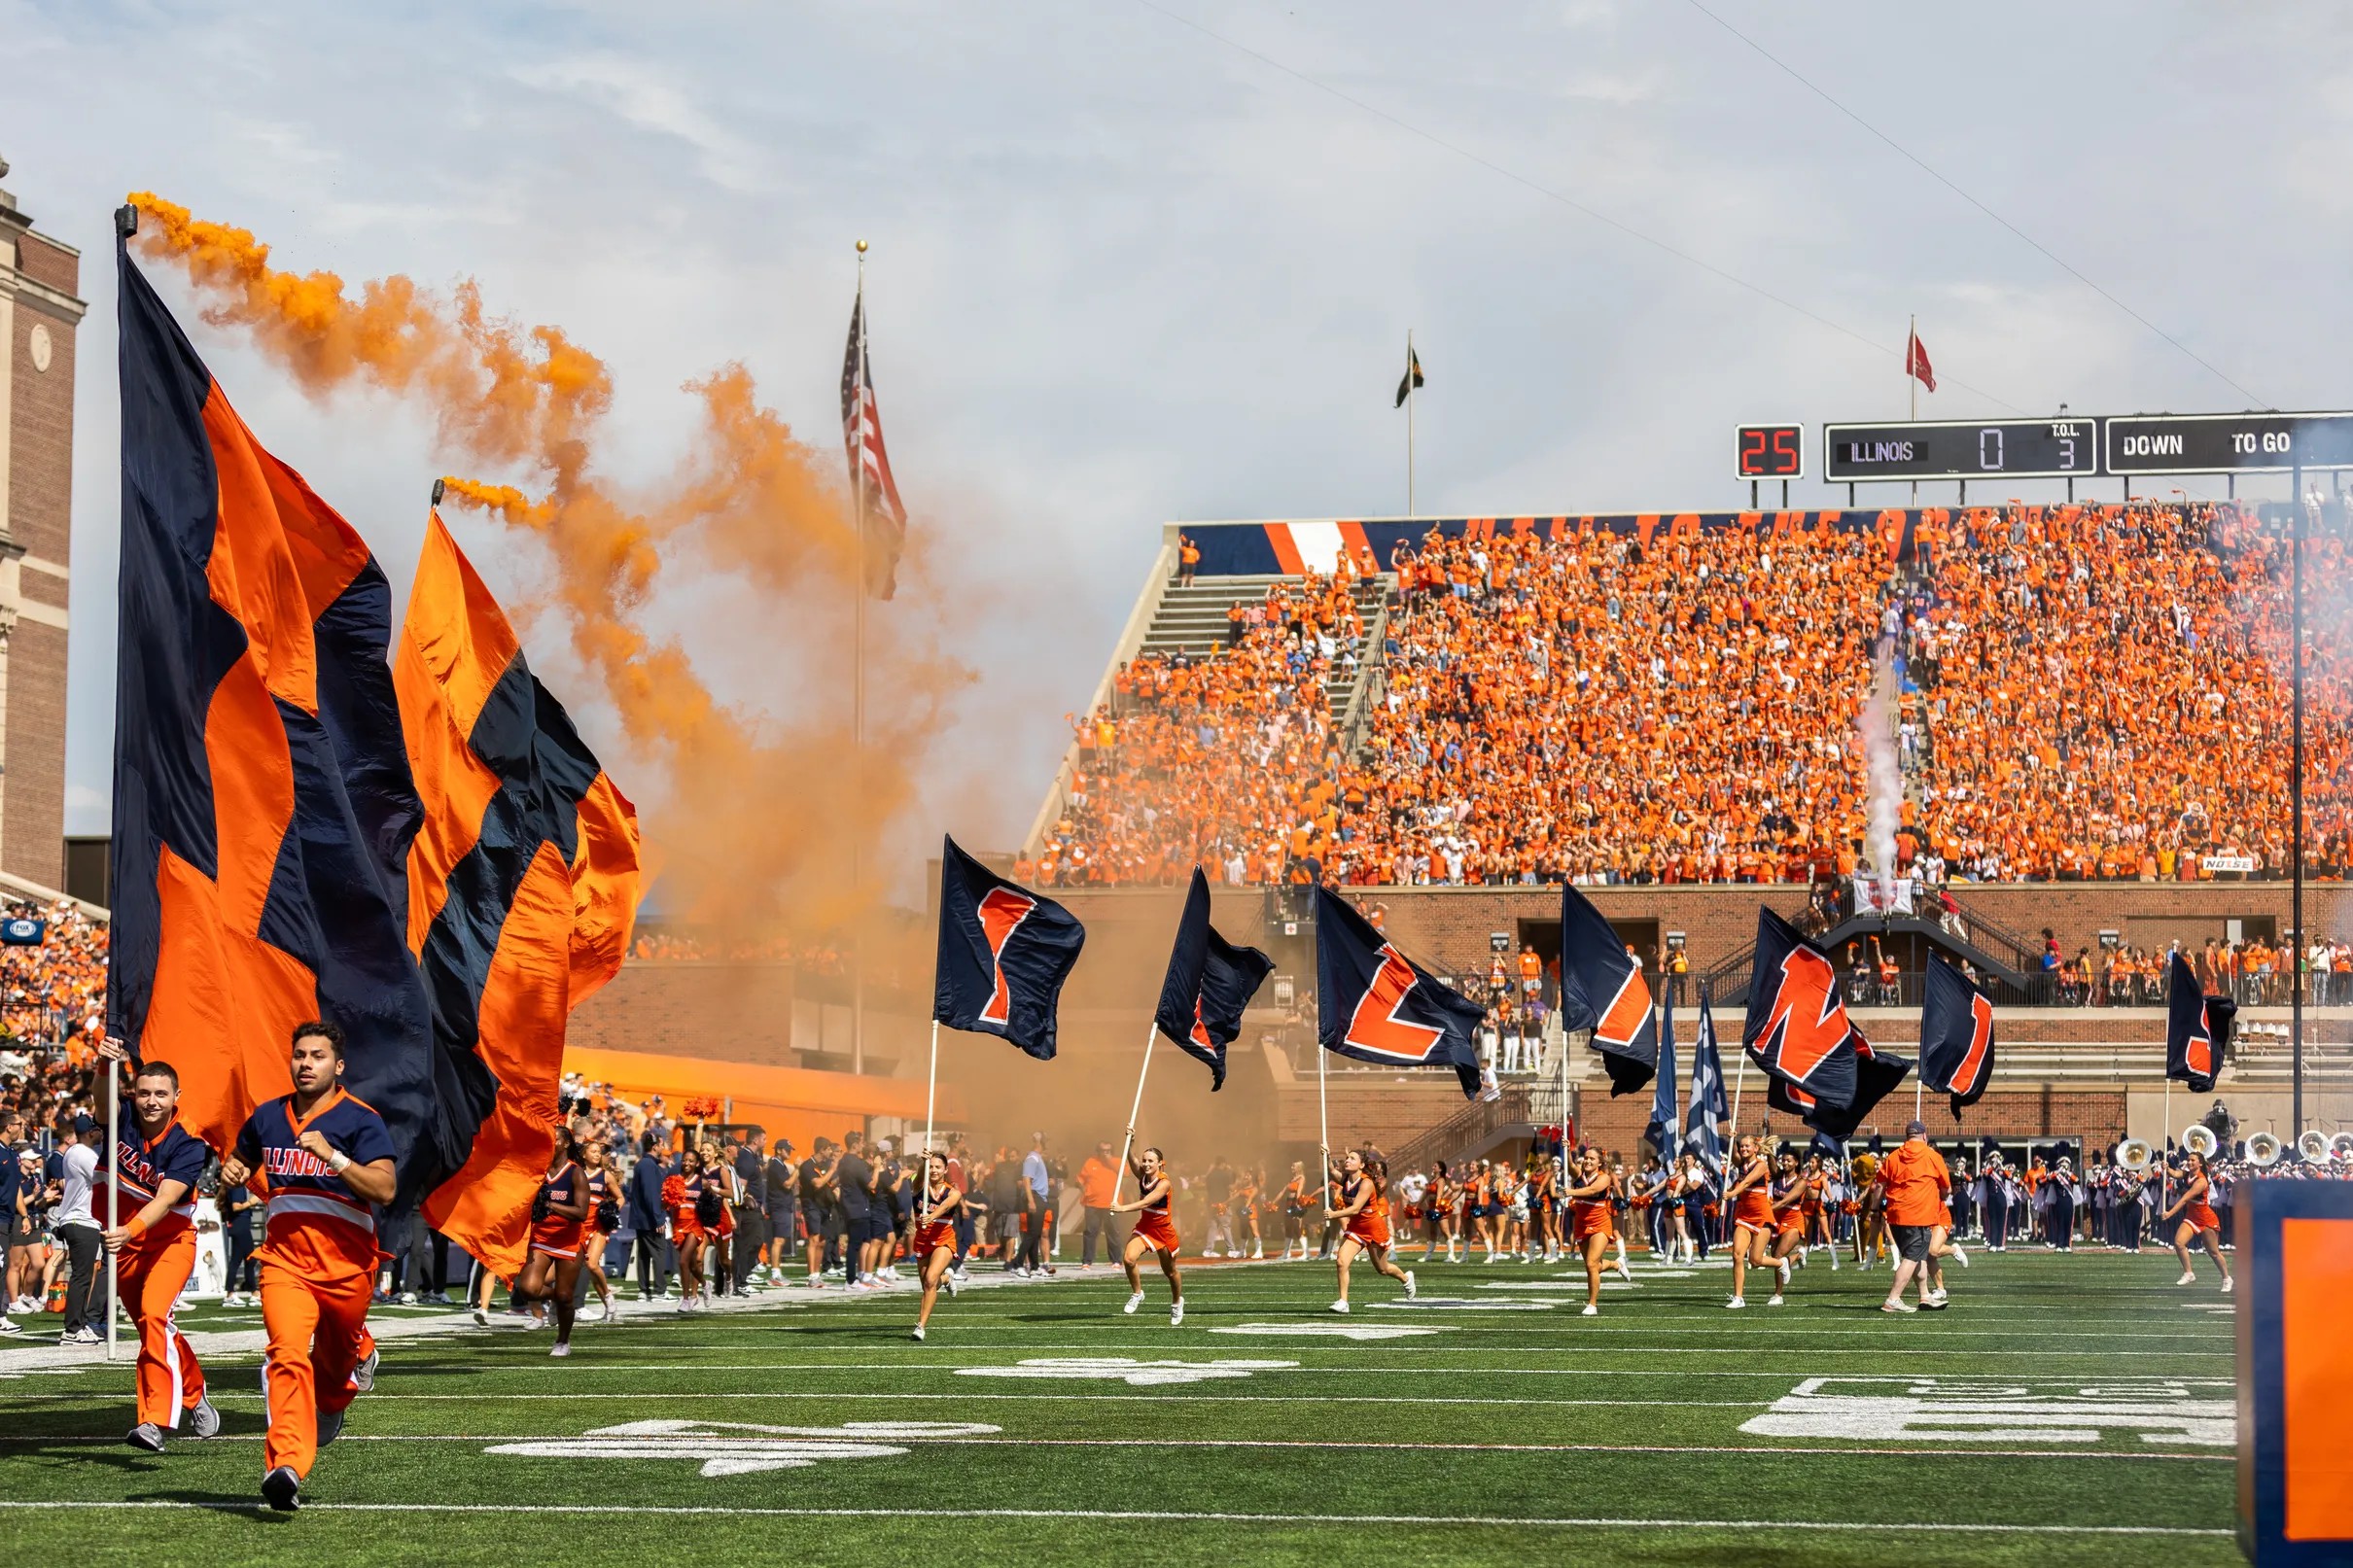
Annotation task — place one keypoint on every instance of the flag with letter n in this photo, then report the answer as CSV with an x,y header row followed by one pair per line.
x,y
1601,990
1003,955
1209,982
1797,1027
1956,1034
1378,1005
1876,1075
2198,1028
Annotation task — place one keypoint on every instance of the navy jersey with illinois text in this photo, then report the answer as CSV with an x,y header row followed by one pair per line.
x,y
318,1226
142,1165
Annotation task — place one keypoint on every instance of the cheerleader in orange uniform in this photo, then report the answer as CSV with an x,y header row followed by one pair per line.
x,y
604,1218
2198,1223
1363,1209
1155,1233
1818,1232
682,1199
1590,1225
1752,1225
560,1212
936,1235
1247,1185
1788,1219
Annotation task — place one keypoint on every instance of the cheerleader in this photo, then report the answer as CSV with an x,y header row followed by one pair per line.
x,y
1293,1200
1362,1206
934,1249
720,1179
1752,1230
682,1196
1155,1233
552,1267
1247,1187
1438,1214
1621,1202
604,1218
1820,1202
1787,1194
1589,1190
1678,1200
2198,1223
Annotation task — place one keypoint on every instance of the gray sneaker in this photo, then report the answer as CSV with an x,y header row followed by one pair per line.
x,y
364,1376
282,1489
203,1421
146,1435
331,1426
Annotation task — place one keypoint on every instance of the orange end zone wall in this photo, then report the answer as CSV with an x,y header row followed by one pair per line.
x,y
794,1103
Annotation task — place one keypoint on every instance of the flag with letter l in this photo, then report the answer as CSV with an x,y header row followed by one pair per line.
x,y
1708,1108
1003,955
1956,1034
1601,990
523,883
881,514
1209,982
262,803
1380,1007
1797,1027
1916,362
2198,1028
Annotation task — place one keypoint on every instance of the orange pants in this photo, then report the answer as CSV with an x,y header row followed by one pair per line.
x,y
318,1332
153,1270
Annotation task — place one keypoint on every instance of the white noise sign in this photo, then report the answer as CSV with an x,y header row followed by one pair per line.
x,y
1932,1410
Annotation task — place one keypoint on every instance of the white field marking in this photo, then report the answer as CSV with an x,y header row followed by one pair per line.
x,y
1649,1318
1169,1516
741,1447
1465,1303
1328,1331
1128,1370
1927,1409
1609,1282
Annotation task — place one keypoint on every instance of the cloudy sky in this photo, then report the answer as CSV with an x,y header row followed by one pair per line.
x,y
1144,259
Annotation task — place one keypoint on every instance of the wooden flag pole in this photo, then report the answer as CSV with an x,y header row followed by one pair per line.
x,y
114,1191
1740,1081
1323,1132
1127,1143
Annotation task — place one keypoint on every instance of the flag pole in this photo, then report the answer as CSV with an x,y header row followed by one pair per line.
x,y
931,1105
1912,338
114,1192
857,716
1409,422
1740,1081
1127,1143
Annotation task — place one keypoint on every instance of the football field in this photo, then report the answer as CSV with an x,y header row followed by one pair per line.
x,y
2064,1411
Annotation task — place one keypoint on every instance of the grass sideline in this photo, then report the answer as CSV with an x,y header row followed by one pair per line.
x,y
1512,1426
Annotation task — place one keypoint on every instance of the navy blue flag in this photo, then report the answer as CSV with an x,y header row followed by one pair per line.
x,y
1829,1148
1601,990
22,932
1003,955
1708,1106
1209,982
1797,1027
1956,1035
1876,1075
1659,1135
2198,1028
1378,1005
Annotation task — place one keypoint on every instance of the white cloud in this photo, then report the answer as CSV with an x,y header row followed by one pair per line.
x,y
646,99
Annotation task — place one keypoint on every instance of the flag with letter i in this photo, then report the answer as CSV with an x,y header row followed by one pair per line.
x,y
2198,1028
1003,955
1956,1034
1709,1107
1208,982
1602,989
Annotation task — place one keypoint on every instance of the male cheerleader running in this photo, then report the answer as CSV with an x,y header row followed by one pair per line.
x,y
157,1164
327,1157
1155,1232
1363,1209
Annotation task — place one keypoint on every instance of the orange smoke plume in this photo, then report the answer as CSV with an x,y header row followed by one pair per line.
x,y
756,814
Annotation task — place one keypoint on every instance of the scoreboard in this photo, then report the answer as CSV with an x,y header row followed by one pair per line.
x,y
2229,443
1771,451
1962,449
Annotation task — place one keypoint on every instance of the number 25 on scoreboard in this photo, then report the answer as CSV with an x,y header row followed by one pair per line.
x,y
1772,451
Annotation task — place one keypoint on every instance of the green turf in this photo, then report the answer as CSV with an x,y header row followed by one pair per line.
x,y
1508,1433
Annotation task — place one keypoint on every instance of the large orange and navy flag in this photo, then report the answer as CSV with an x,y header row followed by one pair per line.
x,y
2198,1028
263,804
1380,1007
522,883
1797,1029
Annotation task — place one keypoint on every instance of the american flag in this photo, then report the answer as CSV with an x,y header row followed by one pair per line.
x,y
884,518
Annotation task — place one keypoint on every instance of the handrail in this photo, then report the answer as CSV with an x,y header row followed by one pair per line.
x,y
1371,666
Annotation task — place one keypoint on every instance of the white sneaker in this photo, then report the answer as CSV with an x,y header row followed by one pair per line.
x,y
1341,1308
1773,1299
560,1348
1734,1305
1410,1287
1935,1297
612,1313
1833,1261
1175,1312
1133,1301
1897,1307
1958,1256
7,1325
2226,1284
1257,1254
954,1284
481,1318
2189,1277
1591,1310
1781,1265
1625,1272
919,1331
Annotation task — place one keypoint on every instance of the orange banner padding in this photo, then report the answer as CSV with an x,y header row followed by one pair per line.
x,y
2316,1278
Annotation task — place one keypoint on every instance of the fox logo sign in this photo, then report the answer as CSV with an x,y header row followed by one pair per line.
x,y
1380,1007
1003,955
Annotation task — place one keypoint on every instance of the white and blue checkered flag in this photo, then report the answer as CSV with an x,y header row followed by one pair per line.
x,y
1709,1107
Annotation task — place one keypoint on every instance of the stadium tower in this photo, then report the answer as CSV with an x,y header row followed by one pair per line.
x,y
39,312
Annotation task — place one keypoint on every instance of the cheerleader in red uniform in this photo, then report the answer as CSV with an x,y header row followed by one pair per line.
x,y
1590,1225
1155,1233
683,1201
2198,1223
604,1218
1788,1197
1752,1225
1362,1207
934,1249
552,1267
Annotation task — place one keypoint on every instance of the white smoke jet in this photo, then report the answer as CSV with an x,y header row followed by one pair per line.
x,y
1882,771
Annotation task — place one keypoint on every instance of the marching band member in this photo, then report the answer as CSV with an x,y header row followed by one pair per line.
x,y
1363,1209
2198,1223
1155,1233
934,1249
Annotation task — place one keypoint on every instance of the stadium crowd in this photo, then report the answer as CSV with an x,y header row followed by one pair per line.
x,y
2084,691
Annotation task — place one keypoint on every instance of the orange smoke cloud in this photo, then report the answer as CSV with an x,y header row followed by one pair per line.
x,y
756,814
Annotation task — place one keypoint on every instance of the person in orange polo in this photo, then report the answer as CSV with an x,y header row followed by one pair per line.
x,y
1098,1179
1915,1187
327,1159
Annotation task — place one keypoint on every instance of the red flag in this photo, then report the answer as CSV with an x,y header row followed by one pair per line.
x,y
1916,362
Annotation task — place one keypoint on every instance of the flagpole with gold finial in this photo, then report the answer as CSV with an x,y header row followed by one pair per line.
x,y
857,714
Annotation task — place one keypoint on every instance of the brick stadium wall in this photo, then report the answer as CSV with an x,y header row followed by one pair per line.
x,y
38,452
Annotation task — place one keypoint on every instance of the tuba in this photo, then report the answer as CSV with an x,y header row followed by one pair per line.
x,y
2341,1146
2264,1150
2199,1138
2313,1145
2136,1155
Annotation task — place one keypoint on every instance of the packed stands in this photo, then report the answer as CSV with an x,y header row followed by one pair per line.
x,y
2086,691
